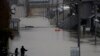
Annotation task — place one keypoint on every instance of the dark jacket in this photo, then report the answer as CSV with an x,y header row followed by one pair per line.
x,y
23,50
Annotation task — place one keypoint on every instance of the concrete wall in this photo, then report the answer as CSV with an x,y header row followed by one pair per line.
x,y
20,11
21,1
19,8
37,11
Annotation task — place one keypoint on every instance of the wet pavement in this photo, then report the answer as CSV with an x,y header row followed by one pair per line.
x,y
43,40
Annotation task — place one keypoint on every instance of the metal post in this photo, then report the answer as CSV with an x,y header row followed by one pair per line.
x,y
57,13
48,9
95,23
52,3
78,38
63,11
27,8
43,9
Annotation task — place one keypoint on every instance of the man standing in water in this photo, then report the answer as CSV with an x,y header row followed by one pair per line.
x,y
23,51
16,52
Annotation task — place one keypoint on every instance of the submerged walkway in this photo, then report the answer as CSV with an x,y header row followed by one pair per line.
x,y
43,40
